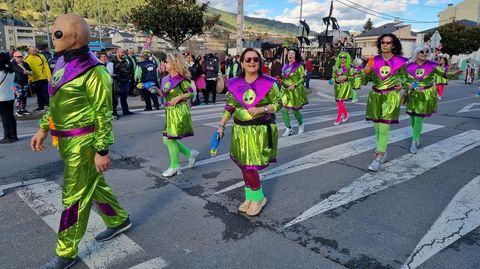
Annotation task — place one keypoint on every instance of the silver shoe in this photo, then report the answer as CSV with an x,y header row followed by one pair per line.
x,y
413,147
301,129
170,172
288,132
193,155
377,162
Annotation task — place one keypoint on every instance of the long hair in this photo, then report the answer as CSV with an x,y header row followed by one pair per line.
x,y
5,64
179,64
444,57
417,49
397,45
348,61
298,57
260,61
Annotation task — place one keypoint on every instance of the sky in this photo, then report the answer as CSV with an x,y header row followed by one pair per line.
x,y
350,19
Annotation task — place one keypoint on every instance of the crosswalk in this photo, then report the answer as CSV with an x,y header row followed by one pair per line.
x,y
461,216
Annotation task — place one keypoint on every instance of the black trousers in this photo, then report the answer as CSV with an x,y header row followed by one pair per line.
x,y
8,119
148,97
211,88
40,88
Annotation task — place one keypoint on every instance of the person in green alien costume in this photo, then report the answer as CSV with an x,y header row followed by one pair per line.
x,y
79,120
252,100
422,95
389,76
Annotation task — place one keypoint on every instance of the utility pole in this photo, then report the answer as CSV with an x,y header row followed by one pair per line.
x,y
46,26
99,24
240,27
300,41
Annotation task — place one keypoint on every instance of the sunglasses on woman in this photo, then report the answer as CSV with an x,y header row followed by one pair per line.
x,y
424,51
250,59
387,42
342,57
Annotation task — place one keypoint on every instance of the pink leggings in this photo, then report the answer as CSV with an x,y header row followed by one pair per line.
x,y
341,110
440,89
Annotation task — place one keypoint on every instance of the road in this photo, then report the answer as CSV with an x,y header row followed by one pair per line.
x,y
325,210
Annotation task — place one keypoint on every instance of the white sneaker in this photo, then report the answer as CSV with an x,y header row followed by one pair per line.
x,y
439,97
413,147
301,129
345,118
336,123
288,132
377,162
193,155
171,172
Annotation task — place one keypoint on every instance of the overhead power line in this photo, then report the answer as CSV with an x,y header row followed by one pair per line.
x,y
382,15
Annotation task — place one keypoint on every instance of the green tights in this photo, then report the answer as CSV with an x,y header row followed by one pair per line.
x,y
174,146
286,117
382,131
417,125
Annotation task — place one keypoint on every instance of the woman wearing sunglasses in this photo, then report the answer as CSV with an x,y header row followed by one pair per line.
x,y
422,95
294,96
176,89
252,100
388,73
342,84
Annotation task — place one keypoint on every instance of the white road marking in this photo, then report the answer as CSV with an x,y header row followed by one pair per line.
x,y
461,216
470,108
303,138
46,201
395,172
20,184
332,154
157,263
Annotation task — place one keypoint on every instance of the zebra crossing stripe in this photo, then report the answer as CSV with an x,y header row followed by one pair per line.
x,y
157,263
306,121
461,216
305,137
46,201
333,154
395,172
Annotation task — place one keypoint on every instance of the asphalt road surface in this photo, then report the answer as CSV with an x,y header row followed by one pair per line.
x,y
324,210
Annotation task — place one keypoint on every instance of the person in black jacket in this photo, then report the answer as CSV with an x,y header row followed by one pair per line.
x,y
122,72
147,76
22,70
211,73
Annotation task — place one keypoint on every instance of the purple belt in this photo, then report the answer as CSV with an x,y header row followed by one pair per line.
x,y
73,132
383,90
424,88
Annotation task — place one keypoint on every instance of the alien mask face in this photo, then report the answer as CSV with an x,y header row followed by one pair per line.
x,y
249,96
385,70
166,86
420,72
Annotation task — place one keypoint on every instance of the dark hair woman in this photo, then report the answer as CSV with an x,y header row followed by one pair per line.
x,y
440,81
252,100
388,73
7,100
294,95
396,48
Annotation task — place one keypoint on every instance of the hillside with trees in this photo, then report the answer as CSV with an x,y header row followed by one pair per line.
x,y
116,12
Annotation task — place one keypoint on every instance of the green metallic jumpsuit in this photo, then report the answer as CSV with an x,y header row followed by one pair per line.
x,y
81,113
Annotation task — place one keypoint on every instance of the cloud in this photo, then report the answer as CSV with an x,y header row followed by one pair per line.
x,y
437,2
260,13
